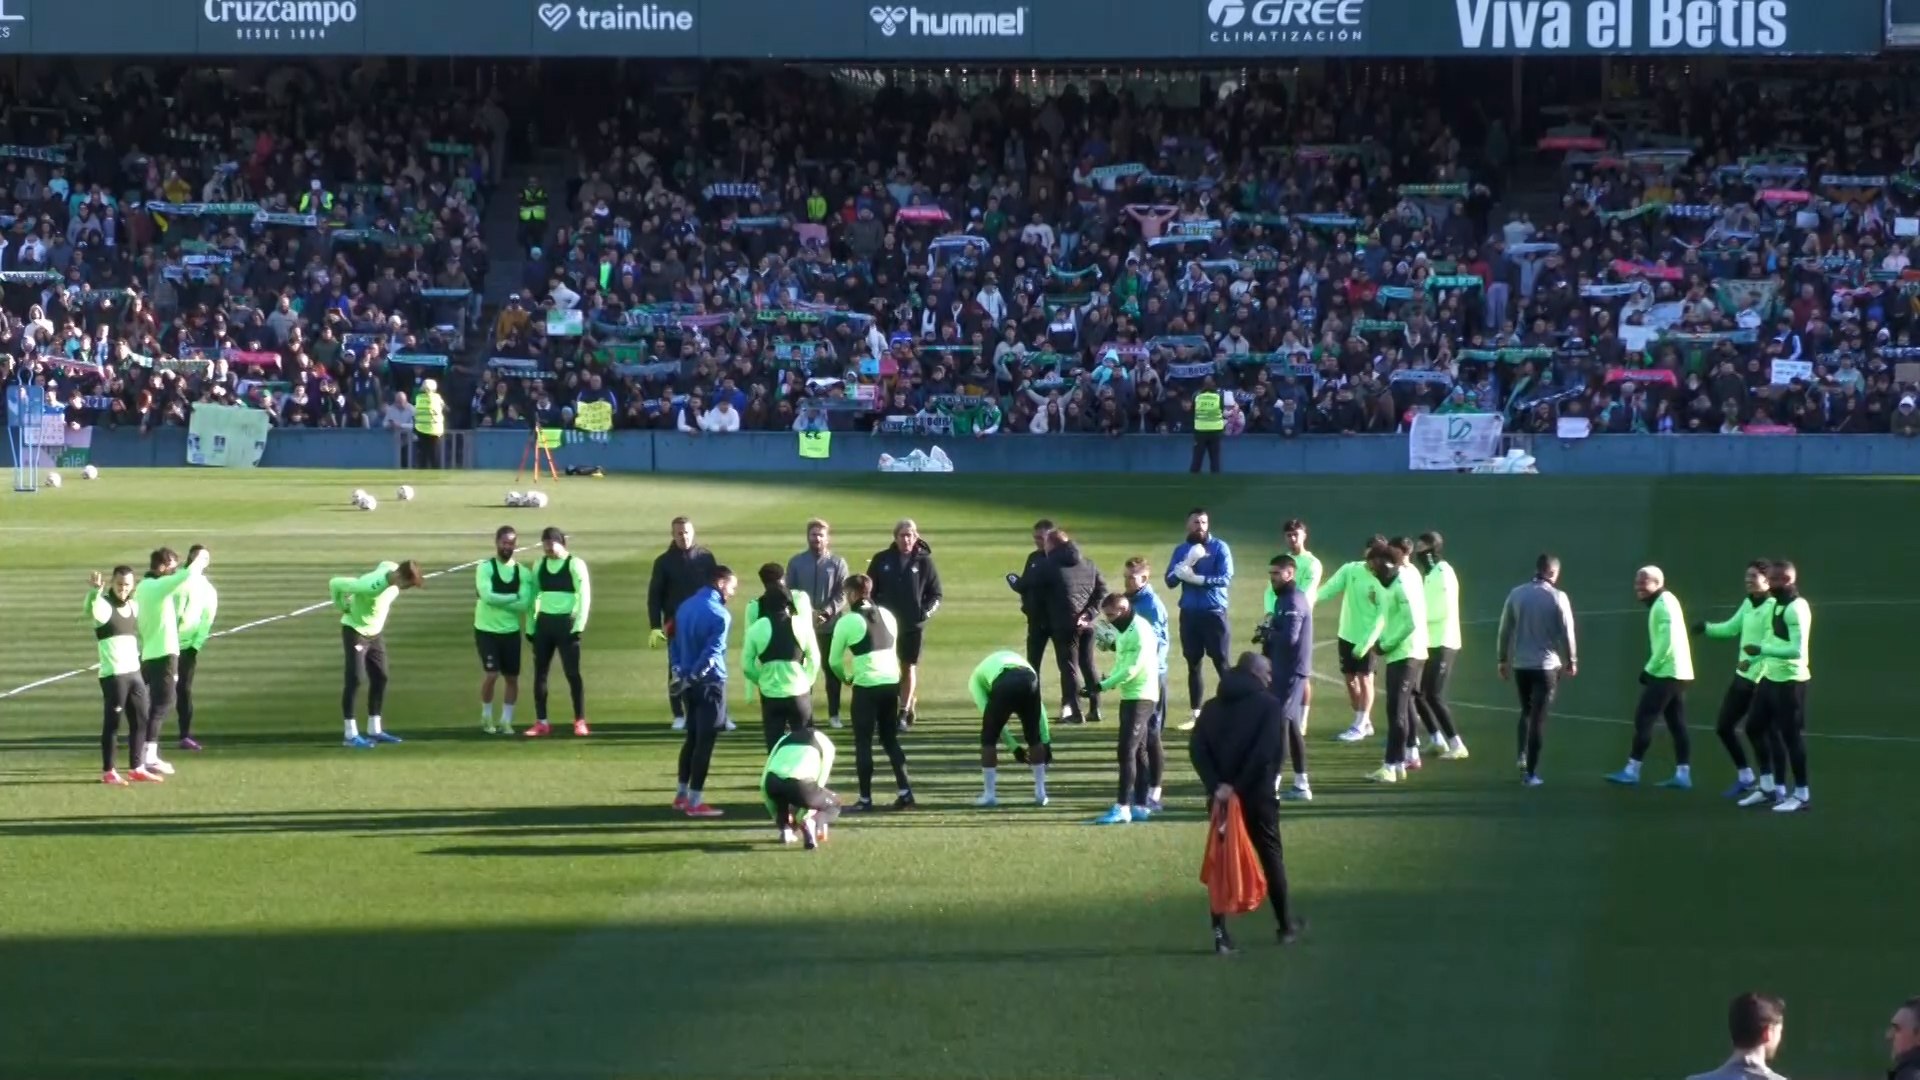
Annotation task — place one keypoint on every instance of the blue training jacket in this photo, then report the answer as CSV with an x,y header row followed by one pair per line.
x,y
1146,604
1215,569
698,651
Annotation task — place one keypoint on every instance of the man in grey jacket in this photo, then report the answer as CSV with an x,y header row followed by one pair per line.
x,y
1755,1021
1536,644
822,575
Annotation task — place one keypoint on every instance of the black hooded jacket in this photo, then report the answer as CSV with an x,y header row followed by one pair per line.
x,y
1072,587
907,585
1240,738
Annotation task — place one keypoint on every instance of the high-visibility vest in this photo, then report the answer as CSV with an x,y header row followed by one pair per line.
x,y
1206,411
533,203
429,414
326,202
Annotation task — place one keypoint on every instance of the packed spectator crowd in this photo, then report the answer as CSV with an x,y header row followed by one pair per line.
x,y
310,250
1723,258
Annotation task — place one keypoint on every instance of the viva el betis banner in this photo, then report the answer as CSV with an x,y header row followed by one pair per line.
x,y
984,30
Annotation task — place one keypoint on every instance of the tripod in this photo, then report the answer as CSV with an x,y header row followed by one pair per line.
x,y
539,448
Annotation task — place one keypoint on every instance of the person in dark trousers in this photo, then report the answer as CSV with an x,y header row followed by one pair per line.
x,y
1202,569
1286,639
1749,624
1755,1023
779,658
1237,748
1536,645
1209,424
1029,585
678,572
821,576
1780,701
562,601
1903,1041
906,583
697,660
864,648
1073,589
1663,682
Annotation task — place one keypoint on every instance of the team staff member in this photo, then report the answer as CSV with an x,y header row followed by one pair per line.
x,y
1306,578
795,779
907,584
869,634
1663,682
1237,749
1748,623
1209,424
1442,587
1136,675
1202,566
116,630
503,591
429,424
1286,640
1403,643
1781,699
821,576
1536,643
365,603
563,597
199,602
158,618
697,671
1755,1022
678,572
1005,686
779,657
1073,590
1029,585
1362,613
1146,605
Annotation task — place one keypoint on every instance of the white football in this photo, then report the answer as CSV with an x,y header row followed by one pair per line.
x,y
90,473
514,498
53,479
370,503
405,493
359,496
539,499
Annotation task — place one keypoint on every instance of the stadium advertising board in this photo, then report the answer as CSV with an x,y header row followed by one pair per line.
x,y
960,30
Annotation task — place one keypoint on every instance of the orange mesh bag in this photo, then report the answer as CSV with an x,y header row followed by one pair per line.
x,y
1231,870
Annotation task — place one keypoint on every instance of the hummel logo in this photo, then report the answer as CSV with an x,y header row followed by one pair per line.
x,y
889,18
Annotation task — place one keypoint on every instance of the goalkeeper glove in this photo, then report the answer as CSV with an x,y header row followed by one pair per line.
x,y
656,639
1013,582
1186,574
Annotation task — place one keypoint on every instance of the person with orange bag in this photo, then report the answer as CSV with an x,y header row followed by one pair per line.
x,y
1238,747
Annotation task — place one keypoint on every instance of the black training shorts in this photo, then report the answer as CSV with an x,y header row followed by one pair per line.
x,y
499,653
1355,665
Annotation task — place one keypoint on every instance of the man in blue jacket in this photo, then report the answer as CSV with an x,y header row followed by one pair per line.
x,y
1202,566
697,666
1286,638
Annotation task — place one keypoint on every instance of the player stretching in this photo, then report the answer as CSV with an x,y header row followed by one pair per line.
x,y
505,590
366,601
1749,623
1443,645
1005,686
198,602
1362,612
1781,700
115,618
1663,681
795,779
559,618
158,615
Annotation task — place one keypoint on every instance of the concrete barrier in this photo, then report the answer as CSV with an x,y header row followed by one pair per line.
x,y
778,452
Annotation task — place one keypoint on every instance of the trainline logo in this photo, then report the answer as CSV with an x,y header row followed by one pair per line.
x,y
917,23
280,20
6,17
645,18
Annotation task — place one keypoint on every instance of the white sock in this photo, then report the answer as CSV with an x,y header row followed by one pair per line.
x,y
486,712
153,752
373,725
1459,743
1633,768
1153,794
1745,776
1305,711
1359,718
680,790
693,797
1300,780
990,782
1413,751
353,729
1039,781
1684,772
1766,782
1802,794
506,713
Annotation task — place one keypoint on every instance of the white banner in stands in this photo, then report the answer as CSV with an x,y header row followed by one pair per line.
x,y
1454,441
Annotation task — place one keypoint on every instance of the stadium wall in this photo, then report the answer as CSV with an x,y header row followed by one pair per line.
x,y
666,452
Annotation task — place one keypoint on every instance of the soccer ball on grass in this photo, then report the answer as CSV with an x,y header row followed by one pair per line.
x,y
52,480
90,473
405,494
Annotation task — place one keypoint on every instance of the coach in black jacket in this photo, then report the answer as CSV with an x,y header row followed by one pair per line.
x,y
1031,587
906,583
1237,747
678,572
1073,590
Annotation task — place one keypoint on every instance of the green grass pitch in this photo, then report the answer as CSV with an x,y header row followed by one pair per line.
x,y
466,907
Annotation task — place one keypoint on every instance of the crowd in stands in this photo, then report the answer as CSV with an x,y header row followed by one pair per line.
x,y
306,249
1723,258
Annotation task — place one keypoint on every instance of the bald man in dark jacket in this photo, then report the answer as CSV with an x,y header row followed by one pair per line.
x,y
1237,748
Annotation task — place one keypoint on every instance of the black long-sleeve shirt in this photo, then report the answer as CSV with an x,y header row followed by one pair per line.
x,y
1240,738
677,575
907,585
1289,641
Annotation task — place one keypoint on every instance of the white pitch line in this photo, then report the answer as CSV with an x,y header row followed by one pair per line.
x,y
296,613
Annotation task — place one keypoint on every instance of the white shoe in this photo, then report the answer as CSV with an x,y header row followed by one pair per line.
x,y
787,836
1522,763
1356,732
833,721
1040,801
154,764
1755,798
1790,804
679,723
731,726
986,801
486,726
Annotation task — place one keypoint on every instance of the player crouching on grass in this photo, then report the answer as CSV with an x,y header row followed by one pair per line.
x,y
795,779
366,601
1005,686
1136,674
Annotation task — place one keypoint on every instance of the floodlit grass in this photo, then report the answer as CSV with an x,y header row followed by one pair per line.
x,y
466,906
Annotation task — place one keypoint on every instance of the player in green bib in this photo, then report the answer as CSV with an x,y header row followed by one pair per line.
x,y
1307,573
795,779
116,629
365,603
1780,702
562,596
1004,686
1663,681
780,656
1403,644
503,591
1748,623
1442,588
156,598
1362,616
198,602
863,655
